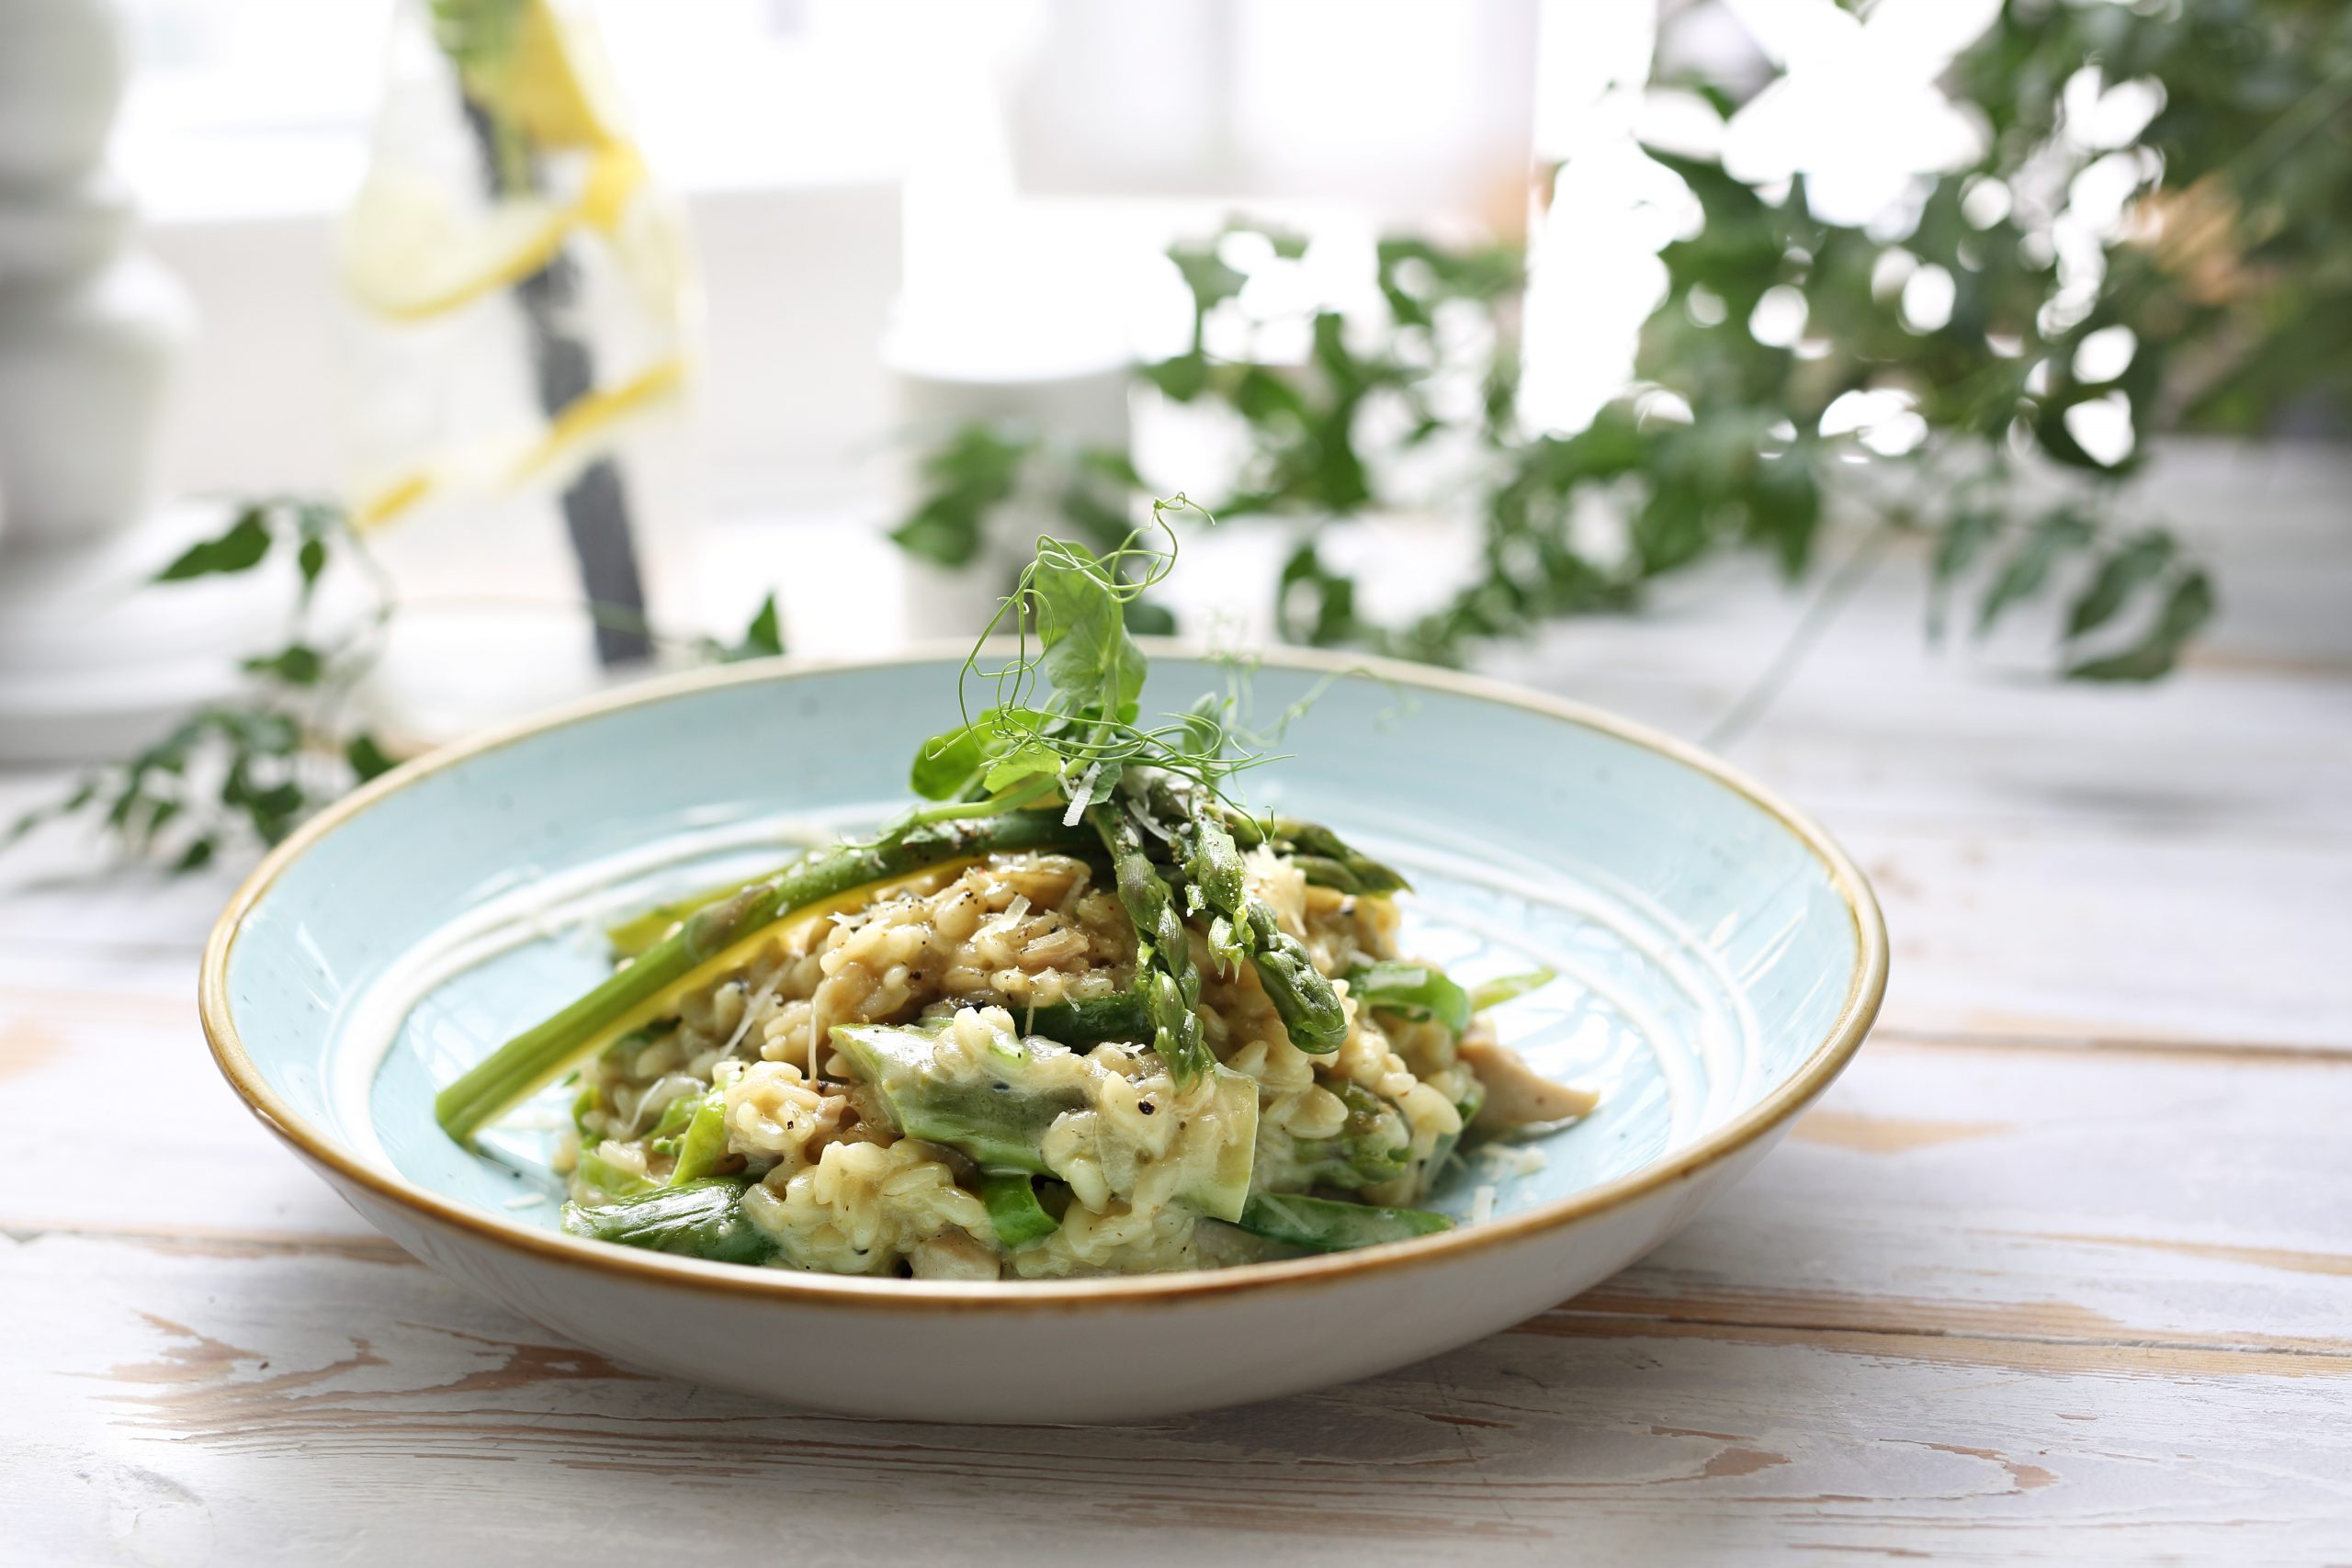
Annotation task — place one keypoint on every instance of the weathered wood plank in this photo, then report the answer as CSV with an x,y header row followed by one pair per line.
x,y
198,1397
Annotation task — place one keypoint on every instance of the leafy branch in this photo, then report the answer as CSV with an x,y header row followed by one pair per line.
x,y
979,469
260,763
1792,372
255,766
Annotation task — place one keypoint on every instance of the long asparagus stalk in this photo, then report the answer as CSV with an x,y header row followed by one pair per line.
x,y
642,992
1327,1224
1125,1016
1327,860
699,1219
634,937
1164,971
1310,1008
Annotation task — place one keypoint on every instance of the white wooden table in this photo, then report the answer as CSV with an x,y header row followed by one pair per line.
x,y
2061,1270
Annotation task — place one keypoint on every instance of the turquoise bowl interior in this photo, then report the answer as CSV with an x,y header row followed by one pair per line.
x,y
1708,943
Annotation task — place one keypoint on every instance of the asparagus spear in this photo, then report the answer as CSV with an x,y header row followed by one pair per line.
x,y
1125,1016
1327,860
703,1145
1013,1210
997,1118
1164,972
998,1111
1310,1008
700,1219
632,938
1327,1224
707,945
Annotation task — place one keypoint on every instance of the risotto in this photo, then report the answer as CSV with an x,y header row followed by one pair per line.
x,y
1080,1015
863,1072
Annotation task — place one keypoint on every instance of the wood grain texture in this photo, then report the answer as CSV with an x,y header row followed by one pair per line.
x,y
2061,1270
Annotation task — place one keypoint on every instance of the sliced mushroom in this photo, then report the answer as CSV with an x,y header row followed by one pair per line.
x,y
951,1254
1516,1093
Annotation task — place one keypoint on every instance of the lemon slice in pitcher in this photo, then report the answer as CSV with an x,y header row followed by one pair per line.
x,y
408,251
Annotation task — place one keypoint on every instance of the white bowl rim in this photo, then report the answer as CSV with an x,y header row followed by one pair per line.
x,y
1826,1059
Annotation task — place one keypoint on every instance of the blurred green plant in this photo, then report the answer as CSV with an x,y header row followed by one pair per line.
x,y
1924,374
263,762
253,767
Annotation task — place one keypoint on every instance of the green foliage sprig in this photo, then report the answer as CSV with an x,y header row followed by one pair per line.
x,y
256,766
2230,284
980,467
261,762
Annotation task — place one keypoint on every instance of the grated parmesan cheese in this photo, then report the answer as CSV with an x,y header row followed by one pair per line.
x,y
1512,1161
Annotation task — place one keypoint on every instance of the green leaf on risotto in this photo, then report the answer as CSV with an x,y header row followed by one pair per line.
x,y
1025,761
1417,990
945,764
1095,666
1509,987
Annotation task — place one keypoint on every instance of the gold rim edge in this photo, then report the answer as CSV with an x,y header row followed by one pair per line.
x,y
1855,1017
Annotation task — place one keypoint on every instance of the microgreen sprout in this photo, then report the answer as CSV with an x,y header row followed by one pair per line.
x,y
1063,714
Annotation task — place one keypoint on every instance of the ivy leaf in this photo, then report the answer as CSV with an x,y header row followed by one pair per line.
x,y
311,559
1264,398
1313,603
2186,610
973,474
272,808
295,664
241,549
2121,575
1958,545
763,638
83,795
2058,533
262,730
160,813
1181,379
1206,275
1784,510
942,534
197,855
367,756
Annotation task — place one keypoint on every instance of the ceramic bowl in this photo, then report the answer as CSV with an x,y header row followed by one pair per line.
x,y
1719,959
